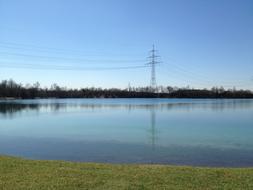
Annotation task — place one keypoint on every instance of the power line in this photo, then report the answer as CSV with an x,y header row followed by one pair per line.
x,y
202,81
64,67
31,46
20,46
198,77
70,68
67,58
202,78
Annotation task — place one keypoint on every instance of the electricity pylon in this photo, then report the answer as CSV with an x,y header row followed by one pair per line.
x,y
153,61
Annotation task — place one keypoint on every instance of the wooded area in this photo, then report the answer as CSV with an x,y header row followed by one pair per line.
x,y
9,89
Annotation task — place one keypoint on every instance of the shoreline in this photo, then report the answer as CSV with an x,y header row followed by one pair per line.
x,y
104,98
19,173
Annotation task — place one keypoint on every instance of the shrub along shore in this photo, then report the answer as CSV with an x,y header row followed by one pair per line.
x,y
22,174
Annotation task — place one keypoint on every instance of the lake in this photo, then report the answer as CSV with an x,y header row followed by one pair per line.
x,y
196,132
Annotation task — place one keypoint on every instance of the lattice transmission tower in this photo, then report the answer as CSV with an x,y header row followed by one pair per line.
x,y
153,62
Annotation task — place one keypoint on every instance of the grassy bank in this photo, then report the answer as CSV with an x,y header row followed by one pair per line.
x,y
18,173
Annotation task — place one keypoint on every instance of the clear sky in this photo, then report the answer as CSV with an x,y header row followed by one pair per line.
x,y
79,43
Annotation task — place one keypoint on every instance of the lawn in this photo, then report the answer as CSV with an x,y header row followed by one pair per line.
x,y
16,173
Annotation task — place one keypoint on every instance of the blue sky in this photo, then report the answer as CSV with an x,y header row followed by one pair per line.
x,y
201,43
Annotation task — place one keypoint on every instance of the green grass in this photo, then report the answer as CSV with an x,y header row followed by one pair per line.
x,y
16,173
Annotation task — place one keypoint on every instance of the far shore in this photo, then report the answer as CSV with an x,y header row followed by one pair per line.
x,y
47,98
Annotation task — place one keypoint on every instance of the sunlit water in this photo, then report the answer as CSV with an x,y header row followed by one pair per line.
x,y
163,131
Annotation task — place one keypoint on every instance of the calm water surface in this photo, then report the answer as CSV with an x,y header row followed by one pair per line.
x,y
164,131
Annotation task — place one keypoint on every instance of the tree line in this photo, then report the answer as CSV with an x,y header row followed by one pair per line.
x,y
10,89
